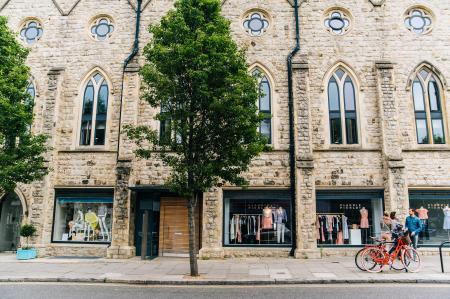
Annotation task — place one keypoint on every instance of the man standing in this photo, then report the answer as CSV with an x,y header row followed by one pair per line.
x,y
414,227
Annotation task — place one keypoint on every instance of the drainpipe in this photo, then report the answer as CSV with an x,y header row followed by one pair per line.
x,y
292,166
133,53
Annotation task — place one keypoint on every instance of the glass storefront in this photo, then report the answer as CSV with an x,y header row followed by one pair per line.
x,y
432,208
83,216
257,218
348,217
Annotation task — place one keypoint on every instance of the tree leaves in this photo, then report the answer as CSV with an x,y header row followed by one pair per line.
x,y
21,159
198,74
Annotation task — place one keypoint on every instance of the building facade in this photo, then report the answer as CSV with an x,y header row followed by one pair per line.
x,y
369,123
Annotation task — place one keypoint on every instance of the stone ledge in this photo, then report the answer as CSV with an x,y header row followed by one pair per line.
x,y
384,65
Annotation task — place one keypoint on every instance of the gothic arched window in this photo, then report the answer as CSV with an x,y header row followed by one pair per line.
x,y
342,109
264,104
428,108
94,111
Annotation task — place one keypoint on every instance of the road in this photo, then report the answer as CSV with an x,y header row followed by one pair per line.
x,y
113,291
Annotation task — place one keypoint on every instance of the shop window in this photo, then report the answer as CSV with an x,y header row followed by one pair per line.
x,y
348,217
94,111
426,94
432,208
264,104
83,217
257,218
342,109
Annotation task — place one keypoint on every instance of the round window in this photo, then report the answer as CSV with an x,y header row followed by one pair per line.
x,y
102,28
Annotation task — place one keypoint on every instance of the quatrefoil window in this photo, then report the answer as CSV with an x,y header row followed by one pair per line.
x,y
31,31
256,23
418,20
102,28
337,22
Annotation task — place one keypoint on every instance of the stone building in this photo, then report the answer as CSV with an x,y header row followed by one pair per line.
x,y
366,128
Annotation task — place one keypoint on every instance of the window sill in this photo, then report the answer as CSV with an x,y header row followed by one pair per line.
x,y
347,148
428,147
87,150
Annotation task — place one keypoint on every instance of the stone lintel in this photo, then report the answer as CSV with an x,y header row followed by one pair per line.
x,y
55,70
377,2
301,65
384,65
395,164
132,68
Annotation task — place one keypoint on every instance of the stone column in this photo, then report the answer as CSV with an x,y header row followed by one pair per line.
x,y
211,225
396,190
122,244
42,201
305,189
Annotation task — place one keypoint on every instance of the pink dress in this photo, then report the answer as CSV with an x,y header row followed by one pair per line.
x,y
364,218
423,213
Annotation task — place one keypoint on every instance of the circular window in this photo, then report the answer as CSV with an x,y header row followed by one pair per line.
x,y
418,20
337,22
31,31
256,23
102,28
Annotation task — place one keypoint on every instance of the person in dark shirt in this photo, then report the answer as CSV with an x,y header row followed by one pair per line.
x,y
414,227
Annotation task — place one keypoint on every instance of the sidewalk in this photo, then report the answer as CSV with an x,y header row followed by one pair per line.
x,y
248,271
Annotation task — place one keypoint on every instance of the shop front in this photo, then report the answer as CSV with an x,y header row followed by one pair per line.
x,y
433,209
161,224
83,216
257,218
348,217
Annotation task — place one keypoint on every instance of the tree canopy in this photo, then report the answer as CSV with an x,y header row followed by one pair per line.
x,y
21,159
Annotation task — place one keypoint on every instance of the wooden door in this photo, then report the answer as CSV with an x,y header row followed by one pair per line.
x,y
174,229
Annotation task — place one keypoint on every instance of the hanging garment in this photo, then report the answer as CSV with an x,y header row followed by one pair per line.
x,y
232,229
238,229
345,228
339,239
317,228
267,222
446,219
330,227
258,232
323,227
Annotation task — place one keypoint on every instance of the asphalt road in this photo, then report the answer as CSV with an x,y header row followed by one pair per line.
x,y
112,291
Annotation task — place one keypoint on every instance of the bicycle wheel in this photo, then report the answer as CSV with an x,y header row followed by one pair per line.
x,y
358,259
411,259
373,260
397,263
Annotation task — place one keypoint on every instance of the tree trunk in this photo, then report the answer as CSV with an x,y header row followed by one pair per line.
x,y
192,204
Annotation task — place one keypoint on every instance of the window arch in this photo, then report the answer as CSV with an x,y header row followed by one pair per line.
x,y
427,100
264,103
94,111
342,108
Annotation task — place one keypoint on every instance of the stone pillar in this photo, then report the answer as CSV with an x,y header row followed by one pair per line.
x,y
305,189
396,190
121,245
42,201
212,229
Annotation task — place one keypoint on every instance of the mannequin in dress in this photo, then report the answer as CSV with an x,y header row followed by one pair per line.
x,y
102,213
446,225
78,224
267,222
364,224
423,216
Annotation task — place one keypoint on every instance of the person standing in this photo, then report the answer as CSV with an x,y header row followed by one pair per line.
x,y
414,227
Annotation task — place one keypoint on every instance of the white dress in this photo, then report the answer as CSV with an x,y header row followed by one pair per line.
x,y
447,219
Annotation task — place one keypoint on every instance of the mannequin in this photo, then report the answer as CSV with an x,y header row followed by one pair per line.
x,y
446,225
267,222
91,222
364,224
102,212
280,220
77,225
423,216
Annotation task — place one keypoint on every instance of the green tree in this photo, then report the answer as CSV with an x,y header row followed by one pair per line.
x,y
199,78
21,158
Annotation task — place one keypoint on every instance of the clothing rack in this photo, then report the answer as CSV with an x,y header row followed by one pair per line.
x,y
325,214
244,215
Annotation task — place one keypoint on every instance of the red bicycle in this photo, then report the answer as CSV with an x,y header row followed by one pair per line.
x,y
375,258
